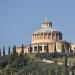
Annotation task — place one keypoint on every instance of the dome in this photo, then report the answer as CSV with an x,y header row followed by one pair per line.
x,y
46,33
45,30
46,27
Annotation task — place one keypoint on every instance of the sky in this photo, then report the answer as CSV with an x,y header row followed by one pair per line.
x,y
19,18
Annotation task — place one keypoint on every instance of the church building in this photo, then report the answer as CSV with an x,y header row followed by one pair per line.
x,y
46,39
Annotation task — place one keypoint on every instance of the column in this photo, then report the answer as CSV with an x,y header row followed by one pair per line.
x,y
35,36
47,35
43,35
51,36
33,50
43,48
38,48
55,36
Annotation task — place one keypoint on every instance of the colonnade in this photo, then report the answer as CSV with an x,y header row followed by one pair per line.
x,y
51,36
39,48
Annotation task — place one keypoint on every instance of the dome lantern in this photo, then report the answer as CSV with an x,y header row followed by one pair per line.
x,y
46,23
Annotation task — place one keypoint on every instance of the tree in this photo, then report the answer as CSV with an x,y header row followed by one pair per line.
x,y
14,50
14,53
22,51
3,51
9,50
66,66
30,48
0,52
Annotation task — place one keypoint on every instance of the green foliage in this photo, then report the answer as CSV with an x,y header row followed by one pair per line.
x,y
29,64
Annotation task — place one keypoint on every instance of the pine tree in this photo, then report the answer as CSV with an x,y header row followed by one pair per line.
x,y
9,50
3,51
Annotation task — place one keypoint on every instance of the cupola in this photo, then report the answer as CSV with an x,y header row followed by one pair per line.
x,y
46,23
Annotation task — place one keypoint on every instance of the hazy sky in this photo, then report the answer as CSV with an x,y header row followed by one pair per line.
x,y
19,18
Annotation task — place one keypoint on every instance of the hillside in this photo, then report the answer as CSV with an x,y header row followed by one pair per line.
x,y
32,64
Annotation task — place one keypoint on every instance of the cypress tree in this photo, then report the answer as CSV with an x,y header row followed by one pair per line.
x,y
22,51
66,67
3,51
0,52
14,50
14,54
9,50
30,48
